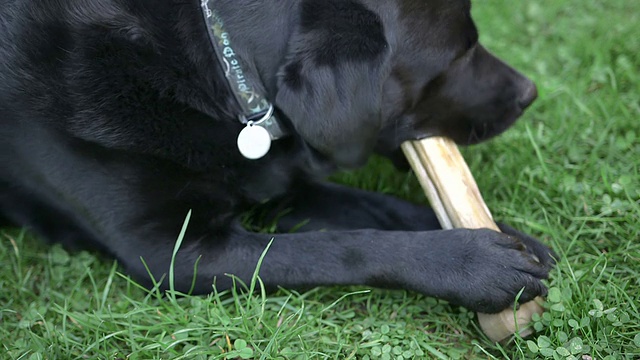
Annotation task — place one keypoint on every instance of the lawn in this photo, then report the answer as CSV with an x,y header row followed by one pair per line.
x,y
568,172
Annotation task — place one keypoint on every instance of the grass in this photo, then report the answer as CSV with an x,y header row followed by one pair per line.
x,y
568,172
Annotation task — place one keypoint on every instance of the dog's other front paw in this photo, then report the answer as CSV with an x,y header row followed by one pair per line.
x,y
484,270
542,252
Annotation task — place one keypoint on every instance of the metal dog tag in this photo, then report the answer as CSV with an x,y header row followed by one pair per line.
x,y
254,141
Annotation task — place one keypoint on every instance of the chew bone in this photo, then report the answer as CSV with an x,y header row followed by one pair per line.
x,y
457,202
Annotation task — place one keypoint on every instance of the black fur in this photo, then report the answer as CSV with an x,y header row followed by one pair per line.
x,y
115,121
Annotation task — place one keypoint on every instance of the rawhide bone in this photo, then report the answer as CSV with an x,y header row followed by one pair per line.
x,y
457,202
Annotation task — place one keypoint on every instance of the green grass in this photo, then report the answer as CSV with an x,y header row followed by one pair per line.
x,y
568,172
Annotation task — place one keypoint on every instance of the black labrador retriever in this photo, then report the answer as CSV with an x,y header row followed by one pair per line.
x,y
118,117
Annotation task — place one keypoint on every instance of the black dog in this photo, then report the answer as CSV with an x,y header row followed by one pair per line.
x,y
117,119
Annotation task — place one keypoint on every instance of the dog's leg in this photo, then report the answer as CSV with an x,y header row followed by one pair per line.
x,y
480,269
326,206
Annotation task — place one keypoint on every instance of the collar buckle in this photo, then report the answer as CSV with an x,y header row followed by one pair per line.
x,y
267,120
257,118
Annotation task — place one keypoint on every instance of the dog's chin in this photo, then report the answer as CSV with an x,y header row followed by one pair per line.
x,y
463,133
485,131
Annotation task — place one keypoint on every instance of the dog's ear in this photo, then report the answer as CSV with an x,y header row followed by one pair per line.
x,y
330,86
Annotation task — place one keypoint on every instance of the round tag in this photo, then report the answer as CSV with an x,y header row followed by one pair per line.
x,y
254,142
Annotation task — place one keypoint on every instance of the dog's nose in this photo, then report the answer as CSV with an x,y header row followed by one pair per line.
x,y
529,94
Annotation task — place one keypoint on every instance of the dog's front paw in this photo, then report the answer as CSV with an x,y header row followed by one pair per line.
x,y
484,270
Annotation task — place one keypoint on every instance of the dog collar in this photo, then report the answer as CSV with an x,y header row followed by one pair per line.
x,y
254,141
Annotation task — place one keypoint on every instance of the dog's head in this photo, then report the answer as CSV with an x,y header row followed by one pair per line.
x,y
367,73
